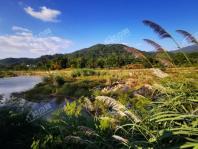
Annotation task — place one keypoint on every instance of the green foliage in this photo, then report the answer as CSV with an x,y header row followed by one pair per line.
x,y
59,81
15,131
98,56
104,123
84,72
168,120
72,109
7,74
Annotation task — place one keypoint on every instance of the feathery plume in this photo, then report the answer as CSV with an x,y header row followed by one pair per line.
x,y
76,140
155,45
163,34
165,62
119,108
160,50
158,29
189,37
120,139
87,131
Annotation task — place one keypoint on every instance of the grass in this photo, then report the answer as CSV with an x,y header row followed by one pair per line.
x,y
167,118
7,74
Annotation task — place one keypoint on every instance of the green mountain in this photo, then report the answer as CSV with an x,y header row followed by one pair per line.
x,y
27,61
96,51
100,55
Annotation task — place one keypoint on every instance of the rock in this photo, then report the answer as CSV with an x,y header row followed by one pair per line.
x,y
159,73
114,88
146,91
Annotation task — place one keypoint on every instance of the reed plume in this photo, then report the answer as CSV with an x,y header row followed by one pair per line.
x,y
155,45
160,31
159,49
163,34
119,108
189,37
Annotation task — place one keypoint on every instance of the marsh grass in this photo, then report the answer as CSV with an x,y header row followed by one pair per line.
x,y
170,120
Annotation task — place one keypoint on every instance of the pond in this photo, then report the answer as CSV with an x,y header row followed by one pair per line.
x,y
20,84
17,84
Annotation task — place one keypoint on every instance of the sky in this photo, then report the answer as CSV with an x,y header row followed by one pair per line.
x,y
31,28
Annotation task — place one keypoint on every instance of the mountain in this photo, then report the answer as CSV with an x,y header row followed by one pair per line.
x,y
99,50
103,50
27,61
188,49
100,55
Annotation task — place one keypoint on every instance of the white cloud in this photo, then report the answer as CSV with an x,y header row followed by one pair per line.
x,y
20,29
26,44
44,14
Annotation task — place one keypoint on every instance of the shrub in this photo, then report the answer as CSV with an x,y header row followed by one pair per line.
x,y
84,72
59,81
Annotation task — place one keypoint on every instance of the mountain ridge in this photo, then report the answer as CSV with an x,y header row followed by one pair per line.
x,y
96,52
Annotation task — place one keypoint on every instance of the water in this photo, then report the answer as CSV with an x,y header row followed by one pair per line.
x,y
17,84
20,84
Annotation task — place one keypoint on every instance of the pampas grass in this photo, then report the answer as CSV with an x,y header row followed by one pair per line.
x,y
160,31
118,107
163,34
87,131
76,140
155,45
189,37
159,49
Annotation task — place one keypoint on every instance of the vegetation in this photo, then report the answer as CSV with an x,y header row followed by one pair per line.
x,y
7,74
98,56
107,114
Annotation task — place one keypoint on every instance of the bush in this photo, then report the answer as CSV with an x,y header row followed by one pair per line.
x,y
59,81
84,72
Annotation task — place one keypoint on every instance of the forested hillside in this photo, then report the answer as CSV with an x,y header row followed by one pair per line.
x,y
100,56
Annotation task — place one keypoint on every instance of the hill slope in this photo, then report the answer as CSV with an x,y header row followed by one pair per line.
x,y
100,55
99,50
188,49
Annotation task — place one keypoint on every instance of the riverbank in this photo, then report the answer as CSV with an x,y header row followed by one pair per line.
x,y
77,83
4,74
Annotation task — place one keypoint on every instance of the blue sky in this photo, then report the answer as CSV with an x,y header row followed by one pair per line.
x,y
30,28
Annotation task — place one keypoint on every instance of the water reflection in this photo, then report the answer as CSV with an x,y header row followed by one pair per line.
x,y
17,84
11,85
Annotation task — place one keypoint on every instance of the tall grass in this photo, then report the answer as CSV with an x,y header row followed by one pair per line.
x,y
164,34
159,49
172,121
